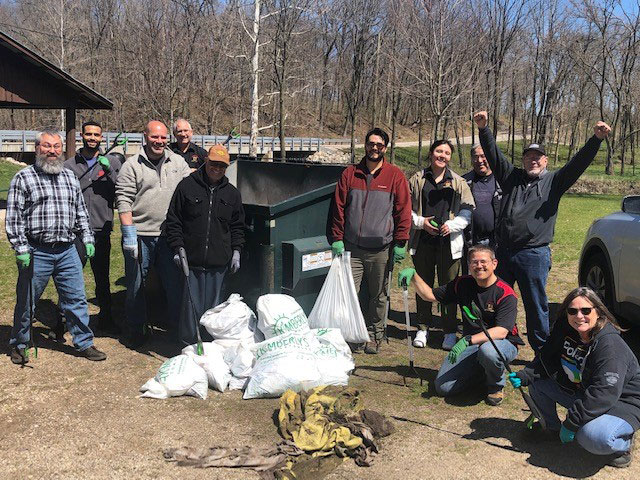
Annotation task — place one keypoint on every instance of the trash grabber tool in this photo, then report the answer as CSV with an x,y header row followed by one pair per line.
x,y
32,307
185,269
232,134
388,306
145,326
407,320
435,224
474,316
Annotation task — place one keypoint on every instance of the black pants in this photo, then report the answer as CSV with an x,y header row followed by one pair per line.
x,y
100,267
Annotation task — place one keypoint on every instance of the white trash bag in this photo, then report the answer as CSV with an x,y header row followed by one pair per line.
x,y
279,314
337,305
335,361
231,320
177,376
217,370
284,362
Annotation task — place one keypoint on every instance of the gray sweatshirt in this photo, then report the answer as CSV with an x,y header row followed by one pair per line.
x,y
147,194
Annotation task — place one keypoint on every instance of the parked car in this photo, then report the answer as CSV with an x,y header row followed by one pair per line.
x,y
610,260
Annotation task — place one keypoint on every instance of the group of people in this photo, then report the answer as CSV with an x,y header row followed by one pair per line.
x,y
481,233
171,199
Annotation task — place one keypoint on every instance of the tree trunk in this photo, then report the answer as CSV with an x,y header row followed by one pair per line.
x,y
255,69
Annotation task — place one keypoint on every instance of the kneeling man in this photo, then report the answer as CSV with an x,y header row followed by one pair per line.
x,y
473,359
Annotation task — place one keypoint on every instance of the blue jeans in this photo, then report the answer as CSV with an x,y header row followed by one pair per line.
x,y
151,251
477,363
529,267
205,286
63,264
604,435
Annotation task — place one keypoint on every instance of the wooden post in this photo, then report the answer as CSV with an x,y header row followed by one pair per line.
x,y
70,128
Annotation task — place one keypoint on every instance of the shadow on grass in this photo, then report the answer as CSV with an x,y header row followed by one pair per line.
x,y
405,375
565,460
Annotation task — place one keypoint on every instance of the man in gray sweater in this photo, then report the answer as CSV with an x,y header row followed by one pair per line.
x,y
527,218
144,189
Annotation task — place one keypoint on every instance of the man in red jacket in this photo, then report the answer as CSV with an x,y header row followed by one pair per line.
x,y
371,219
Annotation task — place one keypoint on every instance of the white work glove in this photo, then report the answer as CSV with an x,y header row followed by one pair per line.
x,y
130,240
235,261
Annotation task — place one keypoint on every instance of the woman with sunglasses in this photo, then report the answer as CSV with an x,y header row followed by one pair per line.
x,y
441,204
587,367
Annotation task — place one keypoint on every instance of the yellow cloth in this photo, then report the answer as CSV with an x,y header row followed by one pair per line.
x,y
305,419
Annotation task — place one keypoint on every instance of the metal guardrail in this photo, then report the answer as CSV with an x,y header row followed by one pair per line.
x,y
24,141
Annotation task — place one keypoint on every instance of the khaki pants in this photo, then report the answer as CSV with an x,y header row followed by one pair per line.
x,y
373,267
427,257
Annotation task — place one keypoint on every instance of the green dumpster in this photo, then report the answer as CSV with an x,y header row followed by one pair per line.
x,y
286,250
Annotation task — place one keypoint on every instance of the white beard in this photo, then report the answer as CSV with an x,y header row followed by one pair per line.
x,y
52,167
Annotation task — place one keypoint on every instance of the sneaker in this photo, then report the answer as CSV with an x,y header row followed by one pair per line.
x,y
19,356
623,460
494,399
421,339
93,354
371,348
449,341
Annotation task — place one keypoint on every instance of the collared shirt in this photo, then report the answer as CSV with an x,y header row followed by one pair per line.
x,y
45,208
195,155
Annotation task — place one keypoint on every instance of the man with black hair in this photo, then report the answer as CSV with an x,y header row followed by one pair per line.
x,y
371,218
97,175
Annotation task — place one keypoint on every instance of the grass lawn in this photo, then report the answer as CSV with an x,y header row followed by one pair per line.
x,y
7,171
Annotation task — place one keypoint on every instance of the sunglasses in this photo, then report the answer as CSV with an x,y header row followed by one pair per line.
x,y
584,310
374,144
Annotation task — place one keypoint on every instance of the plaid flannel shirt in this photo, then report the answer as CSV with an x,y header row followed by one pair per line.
x,y
45,208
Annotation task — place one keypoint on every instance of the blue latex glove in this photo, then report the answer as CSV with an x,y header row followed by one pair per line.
x,y
130,239
514,381
91,249
235,261
23,260
405,276
566,435
399,253
460,346
337,248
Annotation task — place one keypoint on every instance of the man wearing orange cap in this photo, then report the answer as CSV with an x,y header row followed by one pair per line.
x,y
206,218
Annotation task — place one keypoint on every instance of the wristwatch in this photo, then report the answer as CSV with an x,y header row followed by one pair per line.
x,y
468,339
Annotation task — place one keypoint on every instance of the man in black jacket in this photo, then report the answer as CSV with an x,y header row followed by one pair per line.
x,y
527,218
206,218
97,175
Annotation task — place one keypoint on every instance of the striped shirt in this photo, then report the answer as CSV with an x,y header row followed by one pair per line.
x,y
45,209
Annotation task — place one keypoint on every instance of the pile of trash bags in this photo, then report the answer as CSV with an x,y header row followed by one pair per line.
x,y
264,355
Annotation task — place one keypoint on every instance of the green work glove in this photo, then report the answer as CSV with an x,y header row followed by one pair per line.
x,y
399,253
91,249
23,260
457,349
566,435
514,380
405,276
337,248
104,162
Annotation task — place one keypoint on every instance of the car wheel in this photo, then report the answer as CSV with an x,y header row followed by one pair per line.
x,y
596,276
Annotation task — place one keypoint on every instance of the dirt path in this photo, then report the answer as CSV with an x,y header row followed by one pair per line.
x,y
70,418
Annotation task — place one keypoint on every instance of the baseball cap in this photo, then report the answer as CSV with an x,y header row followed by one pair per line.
x,y
536,147
218,153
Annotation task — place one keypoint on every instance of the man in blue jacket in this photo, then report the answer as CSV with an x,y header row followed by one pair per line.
x,y
527,218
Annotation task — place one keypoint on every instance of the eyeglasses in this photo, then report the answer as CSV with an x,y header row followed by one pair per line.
x,y
47,146
584,310
374,144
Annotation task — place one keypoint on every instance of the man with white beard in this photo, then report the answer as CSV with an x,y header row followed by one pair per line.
x,y
44,208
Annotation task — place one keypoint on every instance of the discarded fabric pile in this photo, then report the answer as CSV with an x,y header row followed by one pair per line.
x,y
264,356
320,428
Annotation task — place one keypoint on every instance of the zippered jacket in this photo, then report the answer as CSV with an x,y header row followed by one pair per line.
x,y
495,206
529,207
207,221
610,376
98,189
375,214
144,193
